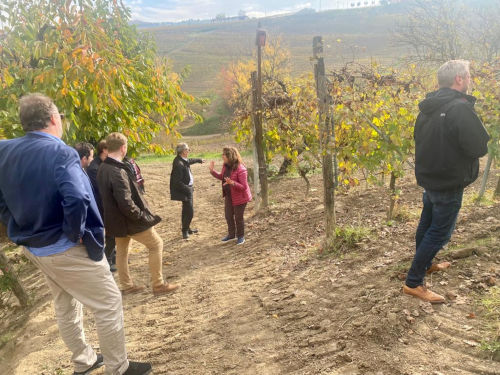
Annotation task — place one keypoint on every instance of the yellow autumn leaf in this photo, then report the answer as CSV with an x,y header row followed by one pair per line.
x,y
9,80
66,65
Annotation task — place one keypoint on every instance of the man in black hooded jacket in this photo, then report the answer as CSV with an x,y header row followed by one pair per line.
x,y
449,140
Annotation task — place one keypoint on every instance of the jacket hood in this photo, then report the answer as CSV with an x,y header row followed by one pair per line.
x,y
435,100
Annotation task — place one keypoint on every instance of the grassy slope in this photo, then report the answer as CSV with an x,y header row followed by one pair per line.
x,y
206,48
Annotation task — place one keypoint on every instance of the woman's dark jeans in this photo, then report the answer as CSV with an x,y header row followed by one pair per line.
x,y
437,223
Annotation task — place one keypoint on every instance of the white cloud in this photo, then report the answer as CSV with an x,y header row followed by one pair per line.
x,y
179,10
276,12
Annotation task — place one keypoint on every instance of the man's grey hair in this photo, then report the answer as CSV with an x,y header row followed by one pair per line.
x,y
181,147
35,110
450,69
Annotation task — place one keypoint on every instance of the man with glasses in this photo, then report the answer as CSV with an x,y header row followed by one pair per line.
x,y
181,186
47,204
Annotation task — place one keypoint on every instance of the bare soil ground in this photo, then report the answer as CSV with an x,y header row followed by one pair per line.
x,y
276,305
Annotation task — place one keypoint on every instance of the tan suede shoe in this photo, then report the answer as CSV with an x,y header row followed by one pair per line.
x,y
436,267
424,294
165,288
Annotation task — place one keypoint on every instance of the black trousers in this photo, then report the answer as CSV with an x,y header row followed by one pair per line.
x,y
187,214
110,249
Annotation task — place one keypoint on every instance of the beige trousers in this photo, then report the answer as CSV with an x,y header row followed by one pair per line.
x,y
74,279
154,243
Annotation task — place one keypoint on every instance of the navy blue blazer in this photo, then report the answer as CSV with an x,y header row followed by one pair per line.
x,y
44,194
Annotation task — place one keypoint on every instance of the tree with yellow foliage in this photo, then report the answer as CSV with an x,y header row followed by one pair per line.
x,y
99,70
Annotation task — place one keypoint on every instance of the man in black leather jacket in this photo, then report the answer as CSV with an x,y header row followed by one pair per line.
x,y
449,140
127,216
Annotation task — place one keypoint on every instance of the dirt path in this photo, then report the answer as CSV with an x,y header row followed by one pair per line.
x,y
270,306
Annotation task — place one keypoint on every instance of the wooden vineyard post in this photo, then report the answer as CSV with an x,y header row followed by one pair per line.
x,y
497,190
486,173
392,204
256,179
326,138
262,198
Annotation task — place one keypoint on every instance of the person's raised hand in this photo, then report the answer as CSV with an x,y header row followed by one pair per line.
x,y
211,166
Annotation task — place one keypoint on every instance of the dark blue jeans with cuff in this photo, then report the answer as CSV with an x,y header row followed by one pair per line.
x,y
436,225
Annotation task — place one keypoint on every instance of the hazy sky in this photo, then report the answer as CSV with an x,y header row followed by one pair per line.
x,y
178,10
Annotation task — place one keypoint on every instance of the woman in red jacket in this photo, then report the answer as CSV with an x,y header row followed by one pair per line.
x,y
235,191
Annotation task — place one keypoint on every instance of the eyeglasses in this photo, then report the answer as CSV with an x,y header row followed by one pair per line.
x,y
62,115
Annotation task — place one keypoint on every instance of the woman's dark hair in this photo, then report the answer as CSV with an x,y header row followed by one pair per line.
x,y
233,157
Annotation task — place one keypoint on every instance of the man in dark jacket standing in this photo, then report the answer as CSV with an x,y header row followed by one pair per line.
x,y
127,216
449,140
102,153
181,186
109,242
47,204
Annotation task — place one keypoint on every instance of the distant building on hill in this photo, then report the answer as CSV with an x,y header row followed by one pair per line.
x,y
222,18
350,4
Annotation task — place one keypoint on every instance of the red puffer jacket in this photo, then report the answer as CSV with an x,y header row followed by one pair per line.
x,y
240,191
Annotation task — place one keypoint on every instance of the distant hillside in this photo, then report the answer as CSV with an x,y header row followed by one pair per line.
x,y
207,47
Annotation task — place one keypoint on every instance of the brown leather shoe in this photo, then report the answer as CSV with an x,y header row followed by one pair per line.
x,y
436,267
424,294
133,289
165,288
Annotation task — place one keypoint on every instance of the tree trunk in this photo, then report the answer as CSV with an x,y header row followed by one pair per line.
x,y
303,174
497,190
486,173
14,283
392,187
284,166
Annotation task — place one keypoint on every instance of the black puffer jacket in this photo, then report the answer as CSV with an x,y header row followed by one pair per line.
x,y
449,140
179,179
126,211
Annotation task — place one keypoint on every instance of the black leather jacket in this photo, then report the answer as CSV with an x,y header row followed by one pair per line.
x,y
126,211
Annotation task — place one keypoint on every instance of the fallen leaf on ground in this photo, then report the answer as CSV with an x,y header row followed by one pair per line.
x,y
461,300
471,343
426,307
451,295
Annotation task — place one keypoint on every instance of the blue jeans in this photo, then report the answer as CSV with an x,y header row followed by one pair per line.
x,y
437,223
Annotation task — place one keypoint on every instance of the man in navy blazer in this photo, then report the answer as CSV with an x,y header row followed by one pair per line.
x,y
47,204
